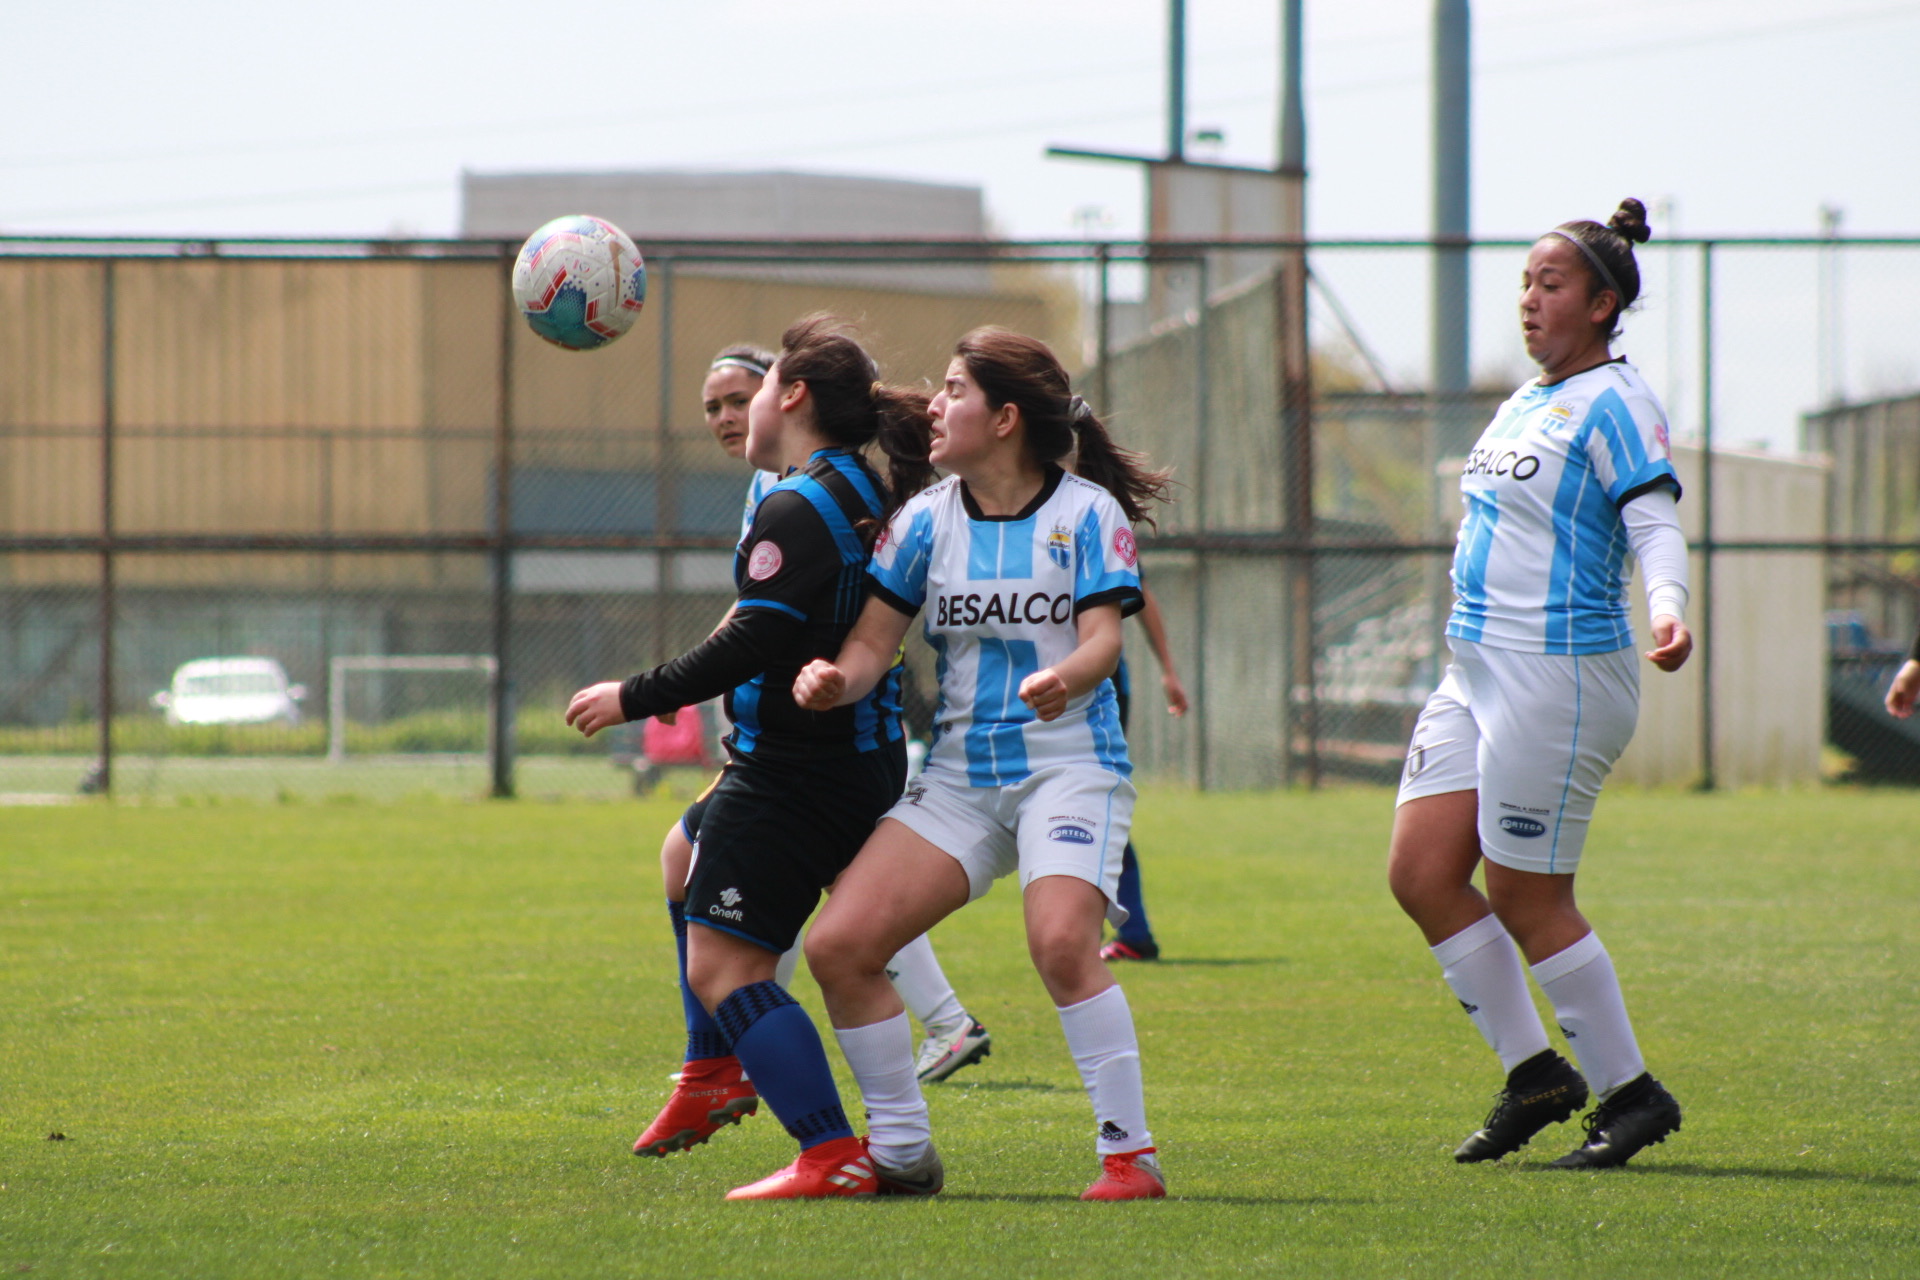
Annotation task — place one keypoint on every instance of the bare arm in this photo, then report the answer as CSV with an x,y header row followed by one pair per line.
x,y
1049,690
1904,689
866,655
1155,623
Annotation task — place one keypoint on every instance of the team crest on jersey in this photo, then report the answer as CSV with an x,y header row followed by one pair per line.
x,y
1559,415
1060,546
764,561
1123,546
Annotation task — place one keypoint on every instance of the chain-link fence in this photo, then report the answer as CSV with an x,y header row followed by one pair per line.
x,y
317,519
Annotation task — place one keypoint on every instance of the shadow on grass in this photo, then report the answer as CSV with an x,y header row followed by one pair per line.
x,y
1743,1171
1002,1086
1261,1202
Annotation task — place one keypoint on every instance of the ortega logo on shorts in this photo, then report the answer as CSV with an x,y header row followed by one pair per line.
x,y
1524,827
1071,834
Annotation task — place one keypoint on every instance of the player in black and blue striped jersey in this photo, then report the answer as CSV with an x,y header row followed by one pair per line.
x,y
802,789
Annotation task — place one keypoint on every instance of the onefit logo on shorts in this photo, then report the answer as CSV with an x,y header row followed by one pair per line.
x,y
764,561
1071,834
1526,828
731,897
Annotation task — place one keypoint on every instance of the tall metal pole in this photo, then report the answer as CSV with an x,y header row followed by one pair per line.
x,y
1296,407
102,780
664,520
1293,111
1452,178
1176,79
501,747
1709,778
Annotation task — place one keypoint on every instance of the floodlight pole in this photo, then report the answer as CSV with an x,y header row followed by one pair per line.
x,y
1452,178
1176,79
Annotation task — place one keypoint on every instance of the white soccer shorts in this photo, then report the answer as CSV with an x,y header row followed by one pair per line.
x,y
1065,820
1536,735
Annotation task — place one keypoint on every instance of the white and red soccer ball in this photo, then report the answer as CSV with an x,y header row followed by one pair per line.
x,y
580,282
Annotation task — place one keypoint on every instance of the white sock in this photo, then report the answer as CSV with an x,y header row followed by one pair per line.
x,y
1593,1015
916,974
881,1057
1483,970
787,966
1100,1037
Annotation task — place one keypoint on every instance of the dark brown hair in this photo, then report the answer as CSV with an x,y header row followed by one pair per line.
x,y
1607,253
852,408
1012,368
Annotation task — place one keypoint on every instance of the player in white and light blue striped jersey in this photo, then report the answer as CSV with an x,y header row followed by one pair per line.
x,y
1023,572
1510,752
1541,564
997,594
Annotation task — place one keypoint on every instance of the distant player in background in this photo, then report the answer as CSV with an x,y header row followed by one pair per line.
x,y
1023,572
1906,684
699,1107
1509,755
1134,940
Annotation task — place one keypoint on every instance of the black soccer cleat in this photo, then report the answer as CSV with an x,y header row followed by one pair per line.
x,y
1543,1090
1639,1114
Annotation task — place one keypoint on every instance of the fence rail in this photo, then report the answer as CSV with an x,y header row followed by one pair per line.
x,y
329,451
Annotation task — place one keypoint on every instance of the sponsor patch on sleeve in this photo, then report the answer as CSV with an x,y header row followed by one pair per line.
x,y
1123,546
764,561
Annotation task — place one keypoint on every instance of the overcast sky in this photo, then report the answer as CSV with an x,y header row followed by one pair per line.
x,y
215,117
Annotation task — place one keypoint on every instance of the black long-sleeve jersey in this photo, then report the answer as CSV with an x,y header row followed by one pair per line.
x,y
801,574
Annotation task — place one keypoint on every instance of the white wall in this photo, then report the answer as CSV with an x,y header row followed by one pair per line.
x,y
1768,641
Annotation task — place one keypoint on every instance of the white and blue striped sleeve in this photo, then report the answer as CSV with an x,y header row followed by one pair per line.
x,y
897,573
1107,563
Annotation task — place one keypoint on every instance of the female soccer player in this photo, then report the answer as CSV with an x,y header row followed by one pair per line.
x,y
1541,697
1024,571
801,790
1134,940
710,1092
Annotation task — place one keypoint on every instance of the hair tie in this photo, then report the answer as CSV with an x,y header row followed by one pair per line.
x,y
877,390
1077,411
753,367
1599,268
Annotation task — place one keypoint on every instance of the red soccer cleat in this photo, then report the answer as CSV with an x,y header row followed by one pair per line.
x,y
709,1096
1131,1175
837,1167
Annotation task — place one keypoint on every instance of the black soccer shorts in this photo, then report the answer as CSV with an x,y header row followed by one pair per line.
x,y
777,832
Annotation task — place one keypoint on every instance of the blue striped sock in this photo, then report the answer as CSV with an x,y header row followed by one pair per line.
x,y
704,1039
776,1042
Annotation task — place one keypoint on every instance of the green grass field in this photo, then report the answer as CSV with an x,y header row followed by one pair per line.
x,y
418,1040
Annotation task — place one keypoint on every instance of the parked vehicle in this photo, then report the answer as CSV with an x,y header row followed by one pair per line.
x,y
231,691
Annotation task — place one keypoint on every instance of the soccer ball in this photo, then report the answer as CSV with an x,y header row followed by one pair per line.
x,y
579,282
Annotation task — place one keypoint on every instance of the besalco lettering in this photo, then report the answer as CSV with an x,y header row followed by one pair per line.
x,y
1493,462
975,609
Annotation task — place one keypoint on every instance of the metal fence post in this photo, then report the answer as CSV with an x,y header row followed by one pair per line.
x,y
1708,780
1203,409
102,780
501,692
665,519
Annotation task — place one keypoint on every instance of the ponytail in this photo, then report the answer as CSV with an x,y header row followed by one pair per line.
x,y
853,409
1012,368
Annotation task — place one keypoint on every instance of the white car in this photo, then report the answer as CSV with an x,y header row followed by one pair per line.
x,y
231,691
